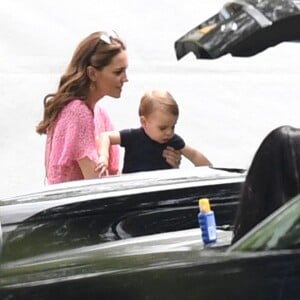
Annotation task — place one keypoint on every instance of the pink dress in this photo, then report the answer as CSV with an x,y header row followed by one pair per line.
x,y
103,123
72,138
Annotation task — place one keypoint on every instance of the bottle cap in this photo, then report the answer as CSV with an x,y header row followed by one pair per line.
x,y
204,205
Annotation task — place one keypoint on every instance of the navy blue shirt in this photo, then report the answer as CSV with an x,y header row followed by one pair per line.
x,y
144,154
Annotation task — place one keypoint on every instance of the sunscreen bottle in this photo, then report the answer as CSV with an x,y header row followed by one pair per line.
x,y
207,222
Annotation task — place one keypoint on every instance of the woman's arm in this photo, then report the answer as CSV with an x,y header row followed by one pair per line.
x,y
88,168
195,156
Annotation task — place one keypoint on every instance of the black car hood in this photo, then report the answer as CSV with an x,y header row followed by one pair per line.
x,y
242,28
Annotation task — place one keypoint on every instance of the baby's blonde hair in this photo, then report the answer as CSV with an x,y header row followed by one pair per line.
x,y
158,99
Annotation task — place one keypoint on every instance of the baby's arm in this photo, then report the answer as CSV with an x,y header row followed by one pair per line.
x,y
195,156
104,141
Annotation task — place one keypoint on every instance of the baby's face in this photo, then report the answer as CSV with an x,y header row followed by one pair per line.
x,y
160,126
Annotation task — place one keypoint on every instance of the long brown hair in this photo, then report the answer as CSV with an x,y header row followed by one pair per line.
x,y
74,83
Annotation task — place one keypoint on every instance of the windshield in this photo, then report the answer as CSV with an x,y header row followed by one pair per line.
x,y
279,231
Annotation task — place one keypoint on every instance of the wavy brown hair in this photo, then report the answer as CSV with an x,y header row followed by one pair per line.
x,y
74,83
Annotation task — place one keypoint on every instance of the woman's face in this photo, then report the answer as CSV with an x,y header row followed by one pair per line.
x,y
110,80
159,125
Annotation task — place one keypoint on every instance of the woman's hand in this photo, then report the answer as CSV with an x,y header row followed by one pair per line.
x,y
172,156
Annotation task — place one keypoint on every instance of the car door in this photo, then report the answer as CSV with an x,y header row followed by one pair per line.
x,y
107,218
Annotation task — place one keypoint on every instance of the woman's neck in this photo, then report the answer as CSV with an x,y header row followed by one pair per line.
x,y
91,101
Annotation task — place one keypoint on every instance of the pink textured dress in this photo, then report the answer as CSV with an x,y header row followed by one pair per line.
x,y
71,138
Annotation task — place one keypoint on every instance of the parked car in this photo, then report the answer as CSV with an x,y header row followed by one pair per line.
x,y
88,212
265,264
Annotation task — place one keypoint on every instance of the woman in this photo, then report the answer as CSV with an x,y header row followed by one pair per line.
x,y
272,179
97,69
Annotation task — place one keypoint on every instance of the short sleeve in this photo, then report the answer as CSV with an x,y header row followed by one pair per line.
x,y
126,137
176,142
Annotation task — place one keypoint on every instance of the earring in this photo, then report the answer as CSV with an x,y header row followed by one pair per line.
x,y
92,85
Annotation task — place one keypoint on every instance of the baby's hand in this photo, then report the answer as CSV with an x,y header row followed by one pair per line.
x,y
102,166
172,156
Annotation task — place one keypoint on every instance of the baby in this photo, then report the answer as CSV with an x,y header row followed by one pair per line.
x,y
144,146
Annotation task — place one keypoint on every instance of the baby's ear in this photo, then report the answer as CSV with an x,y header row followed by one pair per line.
x,y
143,120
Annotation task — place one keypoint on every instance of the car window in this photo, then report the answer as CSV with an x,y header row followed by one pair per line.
x,y
278,232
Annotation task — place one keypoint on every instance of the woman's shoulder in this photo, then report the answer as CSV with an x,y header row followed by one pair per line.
x,y
75,109
75,104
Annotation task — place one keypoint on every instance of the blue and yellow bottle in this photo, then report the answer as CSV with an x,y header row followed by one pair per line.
x,y
207,222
